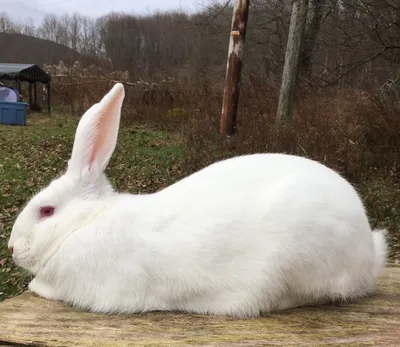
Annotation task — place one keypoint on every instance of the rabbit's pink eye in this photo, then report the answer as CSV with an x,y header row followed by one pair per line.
x,y
46,211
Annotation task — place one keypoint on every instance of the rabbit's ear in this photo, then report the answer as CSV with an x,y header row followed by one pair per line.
x,y
97,132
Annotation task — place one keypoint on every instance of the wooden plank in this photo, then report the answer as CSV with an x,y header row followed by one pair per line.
x,y
28,320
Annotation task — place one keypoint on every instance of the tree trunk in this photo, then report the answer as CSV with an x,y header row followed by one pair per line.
x,y
292,58
310,37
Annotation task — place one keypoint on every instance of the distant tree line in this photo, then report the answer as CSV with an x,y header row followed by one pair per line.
x,y
347,43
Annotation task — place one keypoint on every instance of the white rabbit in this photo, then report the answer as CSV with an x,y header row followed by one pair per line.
x,y
245,236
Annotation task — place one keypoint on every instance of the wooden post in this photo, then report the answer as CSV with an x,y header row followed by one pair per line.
x,y
48,98
291,66
234,68
34,94
30,95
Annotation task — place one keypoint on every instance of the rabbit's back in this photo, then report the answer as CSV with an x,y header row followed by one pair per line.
x,y
272,225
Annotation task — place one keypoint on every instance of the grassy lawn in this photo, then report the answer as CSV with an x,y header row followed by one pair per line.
x,y
31,156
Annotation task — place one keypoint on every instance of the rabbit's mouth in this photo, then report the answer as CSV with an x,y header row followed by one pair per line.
x,y
23,258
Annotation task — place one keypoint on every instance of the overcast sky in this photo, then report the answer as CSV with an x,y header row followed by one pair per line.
x,y
20,9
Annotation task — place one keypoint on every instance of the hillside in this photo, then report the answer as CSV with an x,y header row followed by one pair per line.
x,y
18,48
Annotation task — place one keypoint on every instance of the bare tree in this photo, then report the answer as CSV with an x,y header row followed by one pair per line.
x,y
74,27
48,28
6,24
290,69
315,13
28,27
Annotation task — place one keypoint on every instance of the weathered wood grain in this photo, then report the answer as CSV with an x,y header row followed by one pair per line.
x,y
28,320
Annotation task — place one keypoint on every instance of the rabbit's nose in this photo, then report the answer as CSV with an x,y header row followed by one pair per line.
x,y
11,250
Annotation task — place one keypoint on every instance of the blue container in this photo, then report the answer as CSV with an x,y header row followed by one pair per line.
x,y
13,113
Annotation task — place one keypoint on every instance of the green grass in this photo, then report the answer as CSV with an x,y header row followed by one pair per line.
x,y
31,156
381,198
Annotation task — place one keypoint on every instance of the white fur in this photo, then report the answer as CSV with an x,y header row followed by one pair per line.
x,y
247,235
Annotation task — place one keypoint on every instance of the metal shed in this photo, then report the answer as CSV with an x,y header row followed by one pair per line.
x,y
30,73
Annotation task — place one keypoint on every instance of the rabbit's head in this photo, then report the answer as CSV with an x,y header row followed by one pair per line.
x,y
52,212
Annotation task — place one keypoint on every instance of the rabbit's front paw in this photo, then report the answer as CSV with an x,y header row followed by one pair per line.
x,y
41,289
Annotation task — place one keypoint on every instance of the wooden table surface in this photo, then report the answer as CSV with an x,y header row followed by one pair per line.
x,y
28,320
